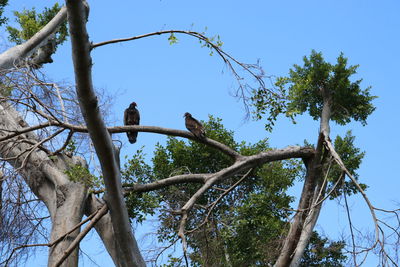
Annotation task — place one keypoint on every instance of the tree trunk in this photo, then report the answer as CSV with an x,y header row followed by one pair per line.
x,y
64,199
70,203
307,215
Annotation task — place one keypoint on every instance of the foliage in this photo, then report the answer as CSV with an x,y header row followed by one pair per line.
x,y
71,147
352,157
268,103
136,170
172,39
306,83
81,174
248,225
304,87
3,3
322,252
5,89
31,22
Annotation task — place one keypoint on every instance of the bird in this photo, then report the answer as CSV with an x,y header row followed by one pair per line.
x,y
194,126
131,117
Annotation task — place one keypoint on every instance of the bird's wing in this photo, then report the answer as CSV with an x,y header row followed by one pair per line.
x,y
126,117
136,117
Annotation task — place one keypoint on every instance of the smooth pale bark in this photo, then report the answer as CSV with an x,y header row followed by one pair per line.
x,y
67,215
127,247
294,233
319,190
46,178
305,219
13,56
104,229
64,199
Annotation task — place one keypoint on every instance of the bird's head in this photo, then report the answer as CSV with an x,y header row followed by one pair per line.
x,y
132,105
187,114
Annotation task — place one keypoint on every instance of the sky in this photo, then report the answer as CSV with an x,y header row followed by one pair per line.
x,y
168,80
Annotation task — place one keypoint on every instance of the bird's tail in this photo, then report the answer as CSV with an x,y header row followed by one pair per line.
x,y
132,137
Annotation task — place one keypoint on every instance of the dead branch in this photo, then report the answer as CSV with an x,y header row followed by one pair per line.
x,y
339,161
227,58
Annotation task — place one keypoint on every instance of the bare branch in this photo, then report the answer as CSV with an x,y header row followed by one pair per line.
x,y
351,231
214,204
364,195
94,214
227,58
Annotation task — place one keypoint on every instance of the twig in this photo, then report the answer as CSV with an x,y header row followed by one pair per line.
x,y
37,145
219,199
227,58
66,142
58,239
351,230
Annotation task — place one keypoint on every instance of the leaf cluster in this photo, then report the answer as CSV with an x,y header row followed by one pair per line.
x,y
306,85
268,103
81,174
3,3
322,252
136,170
352,158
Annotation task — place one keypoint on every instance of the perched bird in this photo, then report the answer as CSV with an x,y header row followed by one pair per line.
x,y
194,126
131,117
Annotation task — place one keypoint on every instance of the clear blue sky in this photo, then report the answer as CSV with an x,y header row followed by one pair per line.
x,y
167,81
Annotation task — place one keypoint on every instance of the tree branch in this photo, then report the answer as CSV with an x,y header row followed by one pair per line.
x,y
241,165
94,214
14,55
227,58
128,249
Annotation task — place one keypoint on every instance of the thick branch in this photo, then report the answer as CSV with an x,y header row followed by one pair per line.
x,y
120,129
239,166
211,178
172,132
179,179
102,142
14,55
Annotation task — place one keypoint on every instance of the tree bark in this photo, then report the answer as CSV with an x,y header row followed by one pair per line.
x,y
65,200
71,199
308,211
127,246
46,178
13,56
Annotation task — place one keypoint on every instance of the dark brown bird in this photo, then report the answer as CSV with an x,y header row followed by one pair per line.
x,y
194,126
132,117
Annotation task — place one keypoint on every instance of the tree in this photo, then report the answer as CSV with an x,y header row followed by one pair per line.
x,y
45,157
245,225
